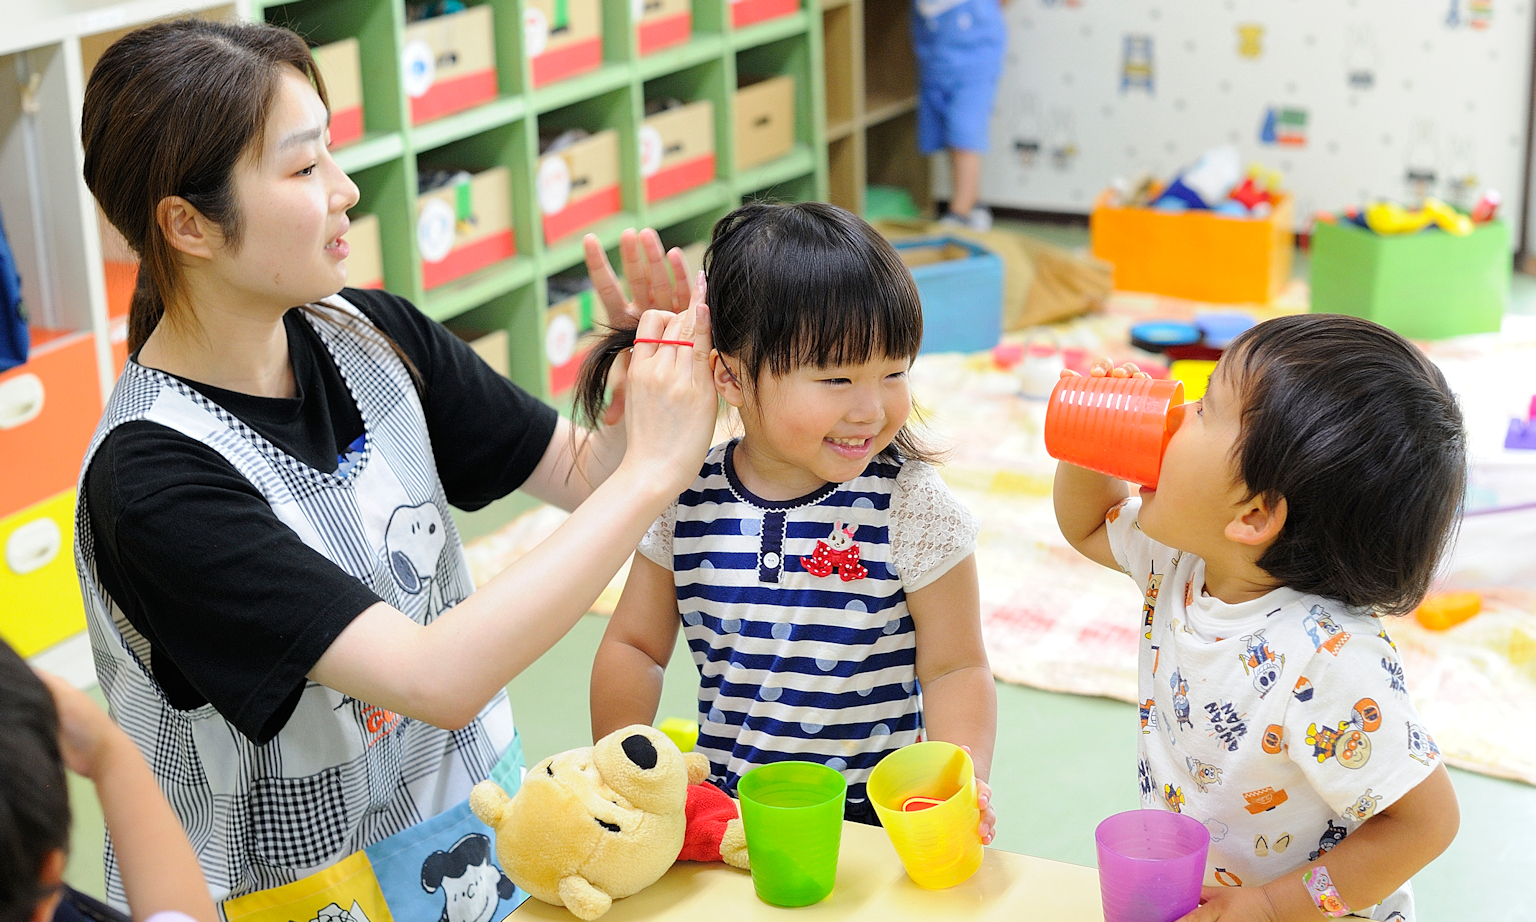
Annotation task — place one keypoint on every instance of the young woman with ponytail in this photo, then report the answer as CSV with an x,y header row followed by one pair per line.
x,y
279,606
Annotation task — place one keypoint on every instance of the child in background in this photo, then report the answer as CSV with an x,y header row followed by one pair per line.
x,y
822,572
1312,490
46,724
959,46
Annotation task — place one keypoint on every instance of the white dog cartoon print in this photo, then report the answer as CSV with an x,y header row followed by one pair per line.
x,y
413,542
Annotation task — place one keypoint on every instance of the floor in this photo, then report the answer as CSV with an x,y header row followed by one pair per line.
x,y
1063,762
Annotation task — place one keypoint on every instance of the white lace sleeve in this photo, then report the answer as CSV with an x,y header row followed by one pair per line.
x,y
656,546
930,530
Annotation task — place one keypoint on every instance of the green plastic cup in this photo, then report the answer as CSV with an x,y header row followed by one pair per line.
x,y
793,815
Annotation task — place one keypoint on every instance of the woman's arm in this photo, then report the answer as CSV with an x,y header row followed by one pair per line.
x,y
1366,868
159,869
632,659
444,672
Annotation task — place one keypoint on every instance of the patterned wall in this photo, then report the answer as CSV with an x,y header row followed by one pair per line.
x,y
1351,99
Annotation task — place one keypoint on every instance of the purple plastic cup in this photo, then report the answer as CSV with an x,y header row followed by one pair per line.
x,y
1151,863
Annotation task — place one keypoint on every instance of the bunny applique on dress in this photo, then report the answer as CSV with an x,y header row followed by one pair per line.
x,y
838,553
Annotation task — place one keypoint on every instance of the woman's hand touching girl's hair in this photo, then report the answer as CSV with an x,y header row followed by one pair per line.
x,y
672,400
651,272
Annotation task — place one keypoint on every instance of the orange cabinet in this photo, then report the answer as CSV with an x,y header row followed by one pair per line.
x,y
49,407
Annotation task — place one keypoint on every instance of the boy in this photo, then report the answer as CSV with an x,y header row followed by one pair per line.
x,y
959,46
1313,489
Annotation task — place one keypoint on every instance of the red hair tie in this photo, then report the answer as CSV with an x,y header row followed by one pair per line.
x,y
666,342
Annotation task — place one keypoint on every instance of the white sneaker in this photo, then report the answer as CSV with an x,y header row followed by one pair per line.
x,y
978,219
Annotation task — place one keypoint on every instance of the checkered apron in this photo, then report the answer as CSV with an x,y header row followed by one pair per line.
x,y
341,774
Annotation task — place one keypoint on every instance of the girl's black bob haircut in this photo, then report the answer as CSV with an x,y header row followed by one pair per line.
x,y
791,285
1361,435
34,799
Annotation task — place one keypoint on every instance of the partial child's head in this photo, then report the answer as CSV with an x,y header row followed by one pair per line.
x,y
205,144
34,801
815,321
1329,447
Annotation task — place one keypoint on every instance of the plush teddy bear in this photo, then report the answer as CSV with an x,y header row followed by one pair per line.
x,y
593,825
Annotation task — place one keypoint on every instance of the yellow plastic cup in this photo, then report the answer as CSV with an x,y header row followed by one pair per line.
x,y
925,796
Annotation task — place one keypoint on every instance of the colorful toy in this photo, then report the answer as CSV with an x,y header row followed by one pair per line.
x,y
682,731
1487,207
1392,218
793,813
592,825
925,795
1157,335
1444,610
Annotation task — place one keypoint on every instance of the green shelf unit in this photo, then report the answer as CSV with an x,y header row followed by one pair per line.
x,y
513,294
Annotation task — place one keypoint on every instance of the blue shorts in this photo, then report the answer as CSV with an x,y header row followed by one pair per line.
x,y
960,57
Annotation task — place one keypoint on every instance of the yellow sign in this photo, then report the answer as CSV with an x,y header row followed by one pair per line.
x,y
1250,40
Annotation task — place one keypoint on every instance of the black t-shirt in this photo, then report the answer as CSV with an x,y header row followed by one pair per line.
x,y
236,608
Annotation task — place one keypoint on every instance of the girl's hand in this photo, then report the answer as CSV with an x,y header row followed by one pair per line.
x,y
987,829
1103,367
86,733
646,266
1233,904
671,419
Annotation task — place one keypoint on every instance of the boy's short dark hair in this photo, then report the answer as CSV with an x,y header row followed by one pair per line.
x,y
1360,433
34,801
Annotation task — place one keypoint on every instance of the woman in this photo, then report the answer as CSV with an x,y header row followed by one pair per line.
x,y
279,606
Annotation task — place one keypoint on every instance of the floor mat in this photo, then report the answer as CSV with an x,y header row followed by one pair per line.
x,y
1054,620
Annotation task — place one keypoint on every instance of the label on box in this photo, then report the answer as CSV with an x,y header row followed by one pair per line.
x,y
554,184
560,339
652,150
535,32
435,230
419,66
636,10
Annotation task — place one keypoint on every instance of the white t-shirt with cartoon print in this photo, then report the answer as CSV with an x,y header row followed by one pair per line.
x,y
1282,723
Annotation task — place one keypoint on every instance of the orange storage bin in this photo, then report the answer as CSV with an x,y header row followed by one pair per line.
x,y
1197,255
49,407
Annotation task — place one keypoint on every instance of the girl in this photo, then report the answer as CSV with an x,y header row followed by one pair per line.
x,y
279,605
822,572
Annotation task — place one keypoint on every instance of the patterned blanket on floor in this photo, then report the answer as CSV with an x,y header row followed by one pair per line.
x,y
1054,620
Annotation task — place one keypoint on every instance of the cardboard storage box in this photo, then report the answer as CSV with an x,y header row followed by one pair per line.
x,y
579,186
747,12
677,149
341,69
1198,255
365,262
465,226
448,63
568,326
49,407
765,119
37,577
562,38
961,288
664,23
1427,285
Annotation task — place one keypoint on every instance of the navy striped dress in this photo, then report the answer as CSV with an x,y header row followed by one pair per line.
x,y
796,665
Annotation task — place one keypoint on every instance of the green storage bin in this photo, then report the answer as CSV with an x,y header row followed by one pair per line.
x,y
1428,285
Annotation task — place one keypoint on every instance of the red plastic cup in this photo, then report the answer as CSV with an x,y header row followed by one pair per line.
x,y
1116,426
1151,863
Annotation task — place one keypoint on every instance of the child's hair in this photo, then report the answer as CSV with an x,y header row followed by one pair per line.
x,y
34,801
794,285
1360,434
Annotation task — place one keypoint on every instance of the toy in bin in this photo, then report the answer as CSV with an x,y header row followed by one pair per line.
x,y
1116,426
1442,611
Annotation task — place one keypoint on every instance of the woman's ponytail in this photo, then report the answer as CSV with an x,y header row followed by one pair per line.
x,y
144,311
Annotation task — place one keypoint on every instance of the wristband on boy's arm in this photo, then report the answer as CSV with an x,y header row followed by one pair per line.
x,y
1324,895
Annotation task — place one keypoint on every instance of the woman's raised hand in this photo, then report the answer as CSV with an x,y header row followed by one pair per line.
x,y
659,281
672,400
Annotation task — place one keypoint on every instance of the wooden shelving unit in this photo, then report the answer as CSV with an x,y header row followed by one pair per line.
x,y
871,101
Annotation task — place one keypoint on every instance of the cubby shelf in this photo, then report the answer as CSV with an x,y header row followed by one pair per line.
x,y
871,136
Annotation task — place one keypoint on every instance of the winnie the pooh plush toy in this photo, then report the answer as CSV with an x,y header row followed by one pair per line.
x,y
593,825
